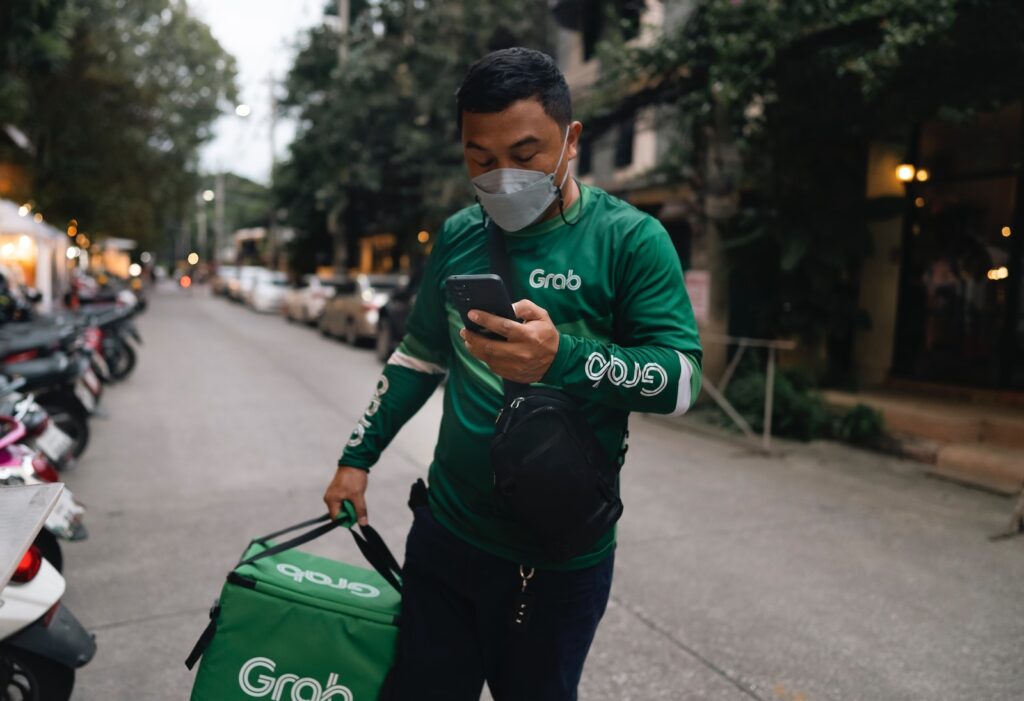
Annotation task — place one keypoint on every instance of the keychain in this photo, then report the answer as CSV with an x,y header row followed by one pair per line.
x,y
523,602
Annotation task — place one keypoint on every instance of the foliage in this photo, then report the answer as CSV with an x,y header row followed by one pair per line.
x,y
118,111
798,410
861,425
376,146
797,90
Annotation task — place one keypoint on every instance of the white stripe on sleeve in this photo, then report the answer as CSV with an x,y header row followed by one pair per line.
x,y
683,398
404,360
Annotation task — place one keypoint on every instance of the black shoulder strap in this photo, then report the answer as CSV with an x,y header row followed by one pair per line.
x,y
498,252
499,255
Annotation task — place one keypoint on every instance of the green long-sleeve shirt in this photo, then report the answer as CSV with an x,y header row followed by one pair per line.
x,y
613,287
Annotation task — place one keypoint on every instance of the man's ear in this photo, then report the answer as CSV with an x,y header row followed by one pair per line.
x,y
572,146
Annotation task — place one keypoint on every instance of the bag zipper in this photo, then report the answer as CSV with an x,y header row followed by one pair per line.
x,y
515,403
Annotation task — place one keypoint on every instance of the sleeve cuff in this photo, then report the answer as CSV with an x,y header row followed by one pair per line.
x,y
347,462
556,372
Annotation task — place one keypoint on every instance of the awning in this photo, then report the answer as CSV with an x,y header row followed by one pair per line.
x,y
12,222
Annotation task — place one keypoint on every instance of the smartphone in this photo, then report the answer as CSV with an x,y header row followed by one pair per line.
x,y
486,293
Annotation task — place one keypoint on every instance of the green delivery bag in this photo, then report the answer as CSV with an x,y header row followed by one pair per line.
x,y
290,626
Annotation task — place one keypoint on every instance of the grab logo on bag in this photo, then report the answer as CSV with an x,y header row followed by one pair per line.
x,y
300,575
258,685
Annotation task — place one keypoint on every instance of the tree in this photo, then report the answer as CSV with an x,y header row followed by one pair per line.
x,y
118,112
800,88
377,144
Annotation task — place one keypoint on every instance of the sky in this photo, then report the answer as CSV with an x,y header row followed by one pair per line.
x,y
260,35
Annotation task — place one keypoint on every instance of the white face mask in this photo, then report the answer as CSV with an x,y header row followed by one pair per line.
x,y
514,197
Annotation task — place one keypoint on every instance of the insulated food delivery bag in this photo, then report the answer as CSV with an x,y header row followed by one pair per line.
x,y
291,626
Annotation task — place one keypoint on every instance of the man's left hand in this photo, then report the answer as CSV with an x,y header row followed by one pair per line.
x,y
530,346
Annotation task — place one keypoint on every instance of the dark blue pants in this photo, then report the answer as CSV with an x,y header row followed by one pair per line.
x,y
455,634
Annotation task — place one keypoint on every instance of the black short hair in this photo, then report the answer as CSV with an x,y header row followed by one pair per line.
x,y
509,75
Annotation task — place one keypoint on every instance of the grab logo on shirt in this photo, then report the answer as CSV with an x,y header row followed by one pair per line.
x,y
356,438
556,281
651,378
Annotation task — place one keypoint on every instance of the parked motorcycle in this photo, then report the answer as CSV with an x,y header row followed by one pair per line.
x,y
41,642
41,433
19,465
67,388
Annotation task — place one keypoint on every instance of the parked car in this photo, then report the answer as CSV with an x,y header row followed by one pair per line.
x,y
266,291
353,312
224,274
305,302
237,285
391,324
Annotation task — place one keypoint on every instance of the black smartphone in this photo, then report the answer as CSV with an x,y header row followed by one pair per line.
x,y
486,293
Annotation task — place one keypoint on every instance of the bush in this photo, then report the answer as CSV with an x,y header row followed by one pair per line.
x,y
861,425
797,413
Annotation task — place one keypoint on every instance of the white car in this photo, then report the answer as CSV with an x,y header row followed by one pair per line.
x,y
239,285
306,302
267,291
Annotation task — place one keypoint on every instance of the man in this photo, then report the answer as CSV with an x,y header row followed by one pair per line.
x,y
607,321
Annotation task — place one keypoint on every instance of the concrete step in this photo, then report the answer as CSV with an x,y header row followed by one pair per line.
x,y
940,420
999,469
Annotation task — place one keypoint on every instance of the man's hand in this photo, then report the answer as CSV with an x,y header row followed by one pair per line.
x,y
348,483
529,350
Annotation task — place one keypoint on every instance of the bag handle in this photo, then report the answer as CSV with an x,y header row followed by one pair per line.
x,y
369,542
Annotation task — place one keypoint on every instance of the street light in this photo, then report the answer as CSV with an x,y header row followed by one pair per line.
x,y
905,172
208,195
193,258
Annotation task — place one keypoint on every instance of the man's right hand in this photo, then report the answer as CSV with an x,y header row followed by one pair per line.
x,y
348,483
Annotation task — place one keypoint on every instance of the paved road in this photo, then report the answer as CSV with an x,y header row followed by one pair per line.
x,y
824,574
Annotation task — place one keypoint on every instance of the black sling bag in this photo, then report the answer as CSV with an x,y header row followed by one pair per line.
x,y
551,474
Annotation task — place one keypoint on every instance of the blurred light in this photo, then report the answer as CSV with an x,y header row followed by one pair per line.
x,y
1000,273
82,240
102,279
7,250
923,175
135,270
146,257
208,195
423,237
905,172
243,110
72,252
24,242
38,218
367,295
186,281
1006,232
24,209
919,202
193,258
72,230
136,284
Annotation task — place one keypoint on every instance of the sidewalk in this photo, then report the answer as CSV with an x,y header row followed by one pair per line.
x,y
825,573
